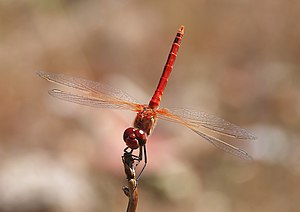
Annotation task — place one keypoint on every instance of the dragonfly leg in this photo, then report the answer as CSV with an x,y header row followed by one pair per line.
x,y
145,161
128,157
128,152
125,150
140,157
142,154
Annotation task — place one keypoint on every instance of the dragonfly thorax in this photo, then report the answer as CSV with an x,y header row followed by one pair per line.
x,y
145,120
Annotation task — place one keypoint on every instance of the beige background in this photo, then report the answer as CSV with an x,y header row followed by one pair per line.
x,y
238,60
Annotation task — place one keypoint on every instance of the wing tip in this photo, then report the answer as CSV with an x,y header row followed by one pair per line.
x,y
245,156
42,74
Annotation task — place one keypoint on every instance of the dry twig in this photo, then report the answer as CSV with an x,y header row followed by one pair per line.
x,y
131,190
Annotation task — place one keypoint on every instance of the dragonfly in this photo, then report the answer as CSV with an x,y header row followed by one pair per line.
x,y
94,94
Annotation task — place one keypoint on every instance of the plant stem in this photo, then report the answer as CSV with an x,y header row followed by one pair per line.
x,y
131,190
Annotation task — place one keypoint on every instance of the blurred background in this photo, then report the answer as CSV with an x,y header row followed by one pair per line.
x,y
238,60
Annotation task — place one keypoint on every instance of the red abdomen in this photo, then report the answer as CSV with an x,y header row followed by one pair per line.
x,y
155,101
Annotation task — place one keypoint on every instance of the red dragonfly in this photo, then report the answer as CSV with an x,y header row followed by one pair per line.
x,y
103,96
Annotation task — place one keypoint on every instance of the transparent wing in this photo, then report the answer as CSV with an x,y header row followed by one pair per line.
x,y
85,100
197,120
225,146
90,93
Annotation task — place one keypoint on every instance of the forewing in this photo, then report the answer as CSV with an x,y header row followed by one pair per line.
x,y
89,101
198,119
89,92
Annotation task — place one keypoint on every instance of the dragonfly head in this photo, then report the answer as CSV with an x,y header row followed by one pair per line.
x,y
134,138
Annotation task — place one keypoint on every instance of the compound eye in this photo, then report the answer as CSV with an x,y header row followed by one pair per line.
x,y
141,137
129,133
130,139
